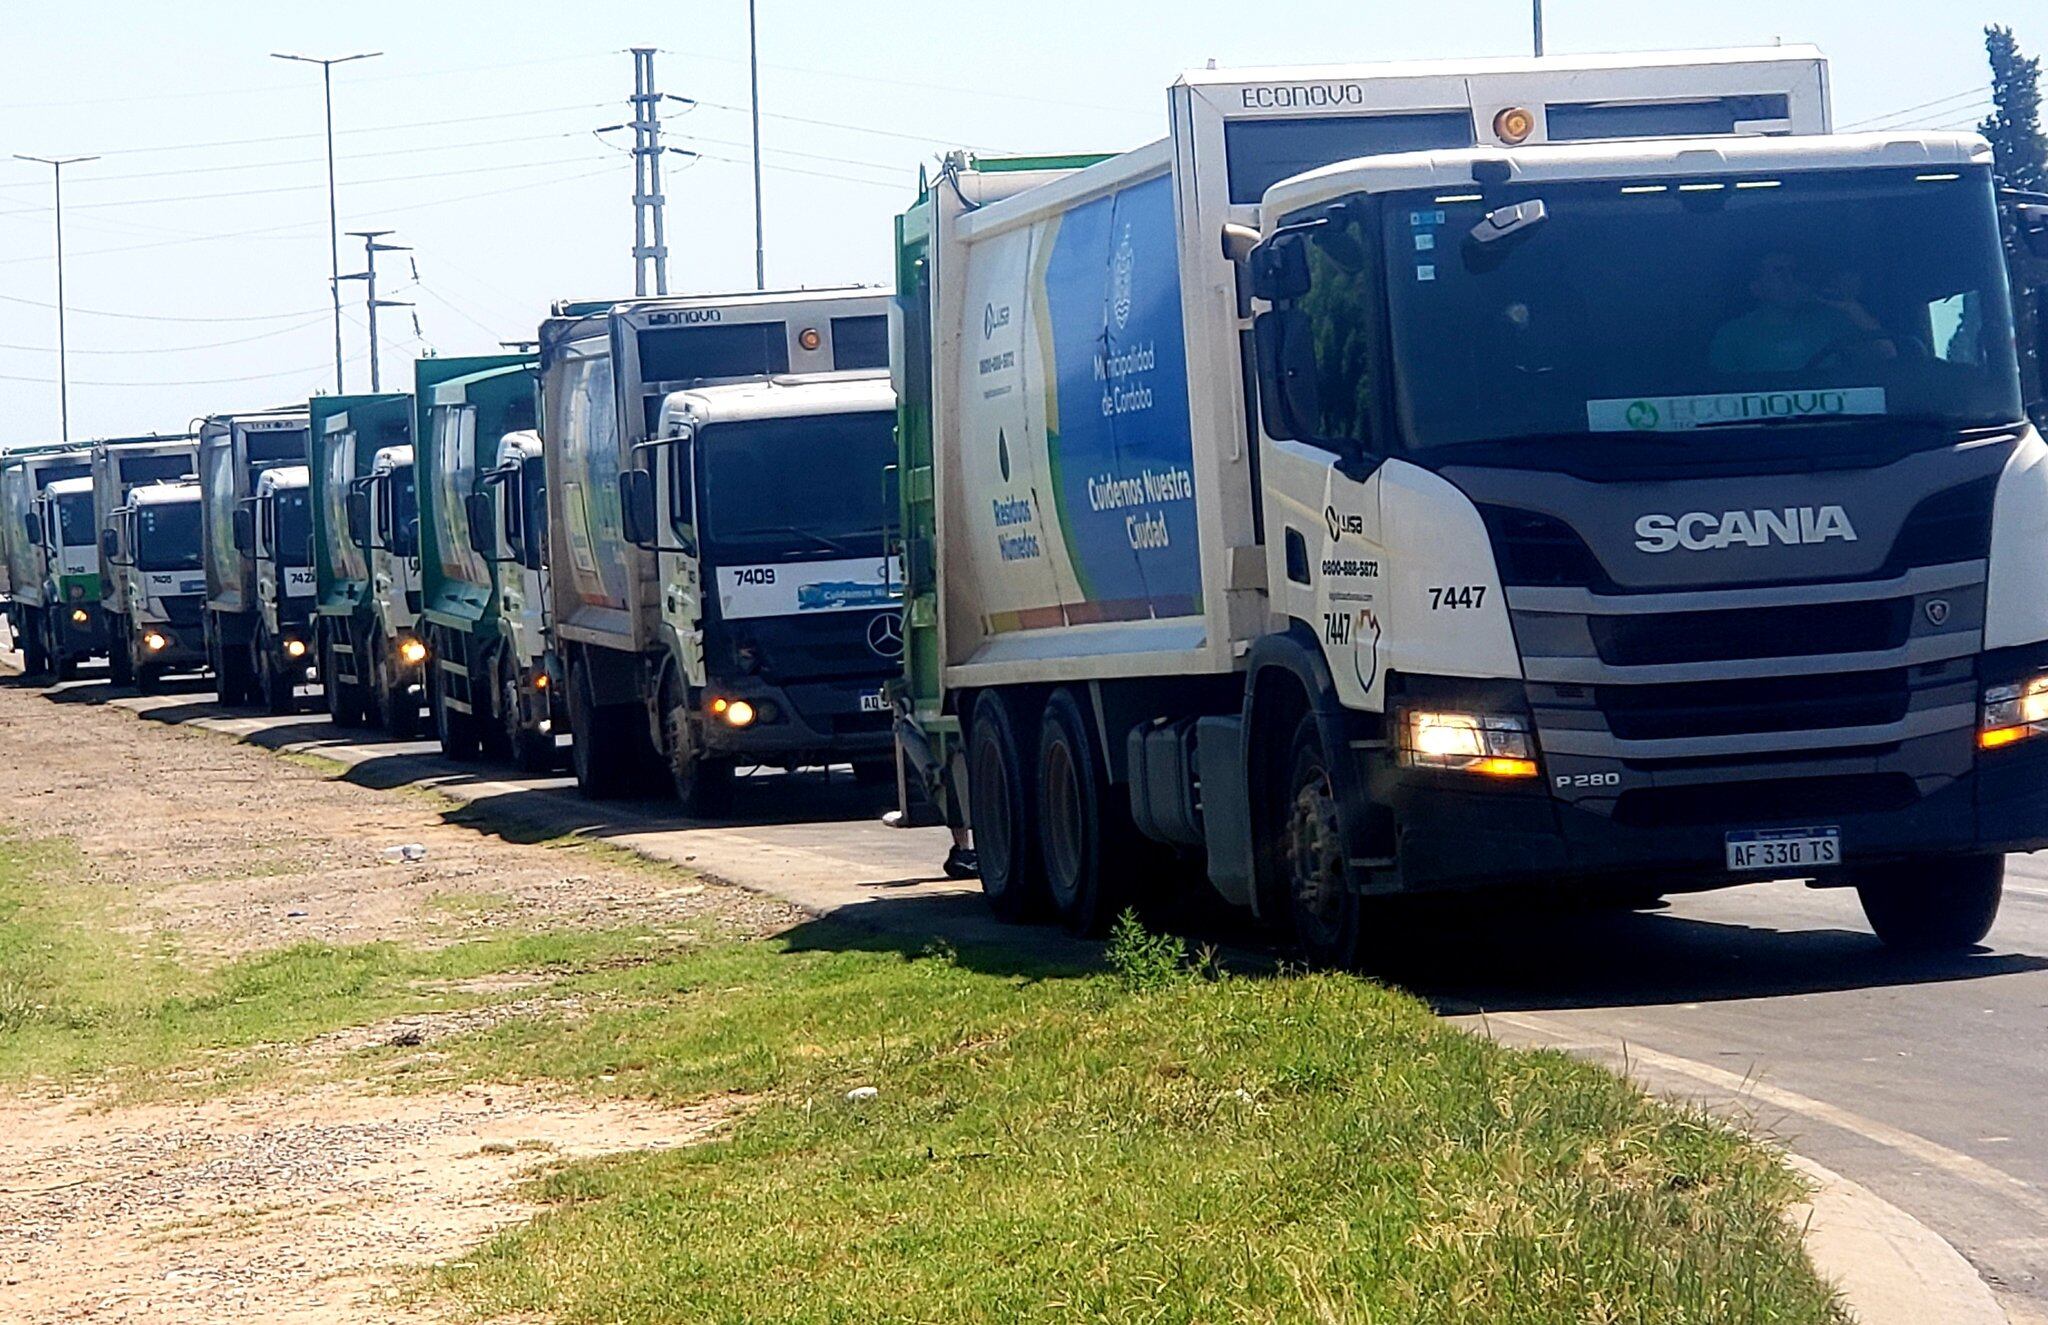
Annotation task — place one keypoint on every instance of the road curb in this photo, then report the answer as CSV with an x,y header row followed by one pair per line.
x,y
1890,1268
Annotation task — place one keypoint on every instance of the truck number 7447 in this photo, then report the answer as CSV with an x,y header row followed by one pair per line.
x,y
1453,597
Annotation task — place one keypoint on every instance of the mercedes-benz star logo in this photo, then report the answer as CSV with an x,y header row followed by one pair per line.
x,y
885,634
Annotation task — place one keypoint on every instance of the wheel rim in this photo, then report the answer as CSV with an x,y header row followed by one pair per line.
x,y
1060,812
992,813
682,769
1315,858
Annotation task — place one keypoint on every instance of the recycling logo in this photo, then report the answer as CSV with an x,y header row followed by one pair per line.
x,y
1643,416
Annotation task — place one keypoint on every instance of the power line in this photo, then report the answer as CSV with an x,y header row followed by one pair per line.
x,y
304,188
160,149
318,368
178,349
152,317
1980,90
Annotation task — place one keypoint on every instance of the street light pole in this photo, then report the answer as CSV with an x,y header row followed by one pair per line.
x,y
333,212
754,82
1539,27
56,165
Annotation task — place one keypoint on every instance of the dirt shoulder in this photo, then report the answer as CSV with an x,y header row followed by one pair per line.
x,y
309,1197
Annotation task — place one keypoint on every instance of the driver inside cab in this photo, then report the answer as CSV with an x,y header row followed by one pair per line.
x,y
1799,323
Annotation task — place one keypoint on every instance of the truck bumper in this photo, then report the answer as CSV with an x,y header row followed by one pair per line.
x,y
1452,838
184,647
806,723
81,639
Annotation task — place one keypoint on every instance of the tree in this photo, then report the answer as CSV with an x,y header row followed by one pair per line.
x,y
2014,125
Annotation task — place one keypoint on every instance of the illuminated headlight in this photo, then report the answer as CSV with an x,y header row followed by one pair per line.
x,y
295,648
79,617
411,652
736,712
1489,744
2013,713
156,641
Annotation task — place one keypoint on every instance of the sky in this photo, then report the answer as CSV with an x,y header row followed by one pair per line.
x,y
196,247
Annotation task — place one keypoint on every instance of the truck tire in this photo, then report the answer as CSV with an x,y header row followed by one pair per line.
x,y
149,679
702,786
345,704
34,660
602,752
999,782
120,651
1087,876
1930,906
531,751
457,732
274,680
396,711
1326,913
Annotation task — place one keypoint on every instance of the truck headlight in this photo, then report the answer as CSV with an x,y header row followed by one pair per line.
x,y
156,641
295,648
78,616
411,652
2013,713
736,712
1488,744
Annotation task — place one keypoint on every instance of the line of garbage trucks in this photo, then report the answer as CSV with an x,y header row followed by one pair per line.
x,y
1585,477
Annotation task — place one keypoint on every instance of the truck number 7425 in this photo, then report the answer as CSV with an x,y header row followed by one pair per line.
x,y
1453,597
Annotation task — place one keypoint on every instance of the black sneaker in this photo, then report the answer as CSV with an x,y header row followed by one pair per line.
x,y
961,863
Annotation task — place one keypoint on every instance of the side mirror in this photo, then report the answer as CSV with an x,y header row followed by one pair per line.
x,y
2031,220
110,545
405,540
245,530
359,517
1280,267
1290,399
482,510
533,531
31,522
636,507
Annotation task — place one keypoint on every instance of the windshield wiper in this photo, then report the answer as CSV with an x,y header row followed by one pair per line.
x,y
829,544
1788,420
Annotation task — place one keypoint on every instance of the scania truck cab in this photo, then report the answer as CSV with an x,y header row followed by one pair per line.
x,y
370,655
119,466
275,527
242,628
23,477
74,621
159,586
708,458
480,482
1589,478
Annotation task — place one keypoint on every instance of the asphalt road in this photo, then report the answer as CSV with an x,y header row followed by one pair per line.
x,y
1925,1080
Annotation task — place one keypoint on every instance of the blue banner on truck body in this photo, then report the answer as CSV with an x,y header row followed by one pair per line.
x,y
1117,432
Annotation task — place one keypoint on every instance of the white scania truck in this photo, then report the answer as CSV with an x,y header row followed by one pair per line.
x,y
1575,476
717,496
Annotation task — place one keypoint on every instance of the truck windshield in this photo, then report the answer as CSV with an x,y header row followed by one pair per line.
x,y
74,519
1607,311
294,527
785,486
167,536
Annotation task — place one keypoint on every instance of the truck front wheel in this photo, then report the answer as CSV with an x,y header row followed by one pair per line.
x,y
703,785
120,651
532,751
1937,905
344,698
274,676
397,712
999,788
457,731
28,633
1327,914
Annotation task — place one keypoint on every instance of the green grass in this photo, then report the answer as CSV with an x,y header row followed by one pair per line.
x,y
1138,1143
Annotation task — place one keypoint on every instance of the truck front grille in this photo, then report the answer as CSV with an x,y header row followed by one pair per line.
x,y
1765,704
1765,632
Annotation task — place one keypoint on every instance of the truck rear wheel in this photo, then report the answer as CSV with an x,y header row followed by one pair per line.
x,y
1086,875
344,698
397,712
602,753
1000,790
35,661
120,655
457,732
1326,913
1937,905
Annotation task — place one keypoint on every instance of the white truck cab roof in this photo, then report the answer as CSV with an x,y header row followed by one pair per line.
x,y
518,447
284,478
70,487
778,398
391,458
164,494
1684,158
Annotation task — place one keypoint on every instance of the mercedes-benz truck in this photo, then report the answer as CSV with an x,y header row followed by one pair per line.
x,y
119,466
710,460
253,654
1581,477
150,549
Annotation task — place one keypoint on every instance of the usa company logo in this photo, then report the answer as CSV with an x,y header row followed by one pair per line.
x,y
1122,280
885,635
994,319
